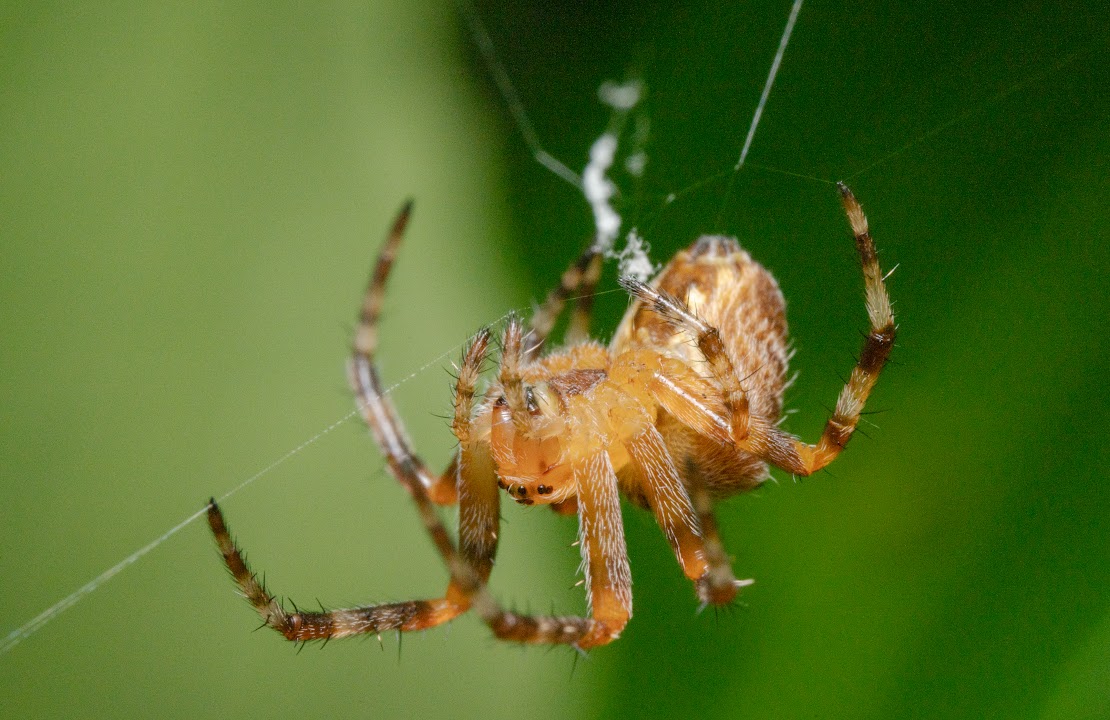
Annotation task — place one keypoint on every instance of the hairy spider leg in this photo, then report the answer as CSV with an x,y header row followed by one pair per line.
x,y
465,573
441,489
604,551
708,340
876,346
718,586
763,438
512,358
581,277
601,530
303,626
657,479
676,496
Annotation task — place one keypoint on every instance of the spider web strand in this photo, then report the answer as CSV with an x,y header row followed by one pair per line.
x,y
509,95
783,41
787,31
35,624
968,114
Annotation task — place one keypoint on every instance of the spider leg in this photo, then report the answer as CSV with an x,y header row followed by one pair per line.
x,y
690,398
581,277
441,489
479,515
303,626
761,436
477,524
512,357
708,340
670,503
604,561
466,581
578,331
685,514
796,456
474,472
876,346
718,586
604,551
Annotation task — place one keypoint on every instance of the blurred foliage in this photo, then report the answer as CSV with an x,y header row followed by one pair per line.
x,y
192,195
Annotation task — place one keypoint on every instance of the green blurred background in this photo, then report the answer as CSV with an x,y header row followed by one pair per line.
x,y
191,196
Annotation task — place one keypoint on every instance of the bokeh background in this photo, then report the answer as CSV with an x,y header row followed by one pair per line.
x,y
191,196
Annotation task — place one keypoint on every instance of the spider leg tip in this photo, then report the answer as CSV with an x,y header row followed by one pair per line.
x,y
631,285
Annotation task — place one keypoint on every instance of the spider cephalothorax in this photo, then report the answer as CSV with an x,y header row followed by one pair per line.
x,y
680,409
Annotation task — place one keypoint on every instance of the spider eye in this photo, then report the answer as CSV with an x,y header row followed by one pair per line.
x,y
530,399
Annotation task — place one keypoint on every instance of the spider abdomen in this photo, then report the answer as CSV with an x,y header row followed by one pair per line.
x,y
721,284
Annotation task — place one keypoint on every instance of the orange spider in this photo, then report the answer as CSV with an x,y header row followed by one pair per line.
x,y
681,408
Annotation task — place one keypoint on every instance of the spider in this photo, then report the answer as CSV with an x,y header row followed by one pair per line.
x,y
681,409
